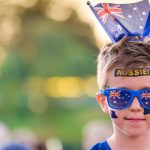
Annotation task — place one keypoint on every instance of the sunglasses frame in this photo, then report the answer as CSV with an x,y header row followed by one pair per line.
x,y
134,93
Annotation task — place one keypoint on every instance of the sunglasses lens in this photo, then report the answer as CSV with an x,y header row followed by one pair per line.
x,y
145,98
119,99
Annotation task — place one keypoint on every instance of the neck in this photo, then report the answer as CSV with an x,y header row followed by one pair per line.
x,y
129,143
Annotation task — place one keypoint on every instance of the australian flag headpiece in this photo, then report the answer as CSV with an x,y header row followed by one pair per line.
x,y
121,20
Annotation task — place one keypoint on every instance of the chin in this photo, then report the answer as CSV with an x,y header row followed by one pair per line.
x,y
135,133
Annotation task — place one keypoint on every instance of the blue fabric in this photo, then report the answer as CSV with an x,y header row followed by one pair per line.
x,y
101,146
14,146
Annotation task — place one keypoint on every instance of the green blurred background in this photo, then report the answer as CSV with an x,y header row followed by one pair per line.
x,y
48,52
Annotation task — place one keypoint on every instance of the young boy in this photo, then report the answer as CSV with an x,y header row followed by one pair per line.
x,y
123,73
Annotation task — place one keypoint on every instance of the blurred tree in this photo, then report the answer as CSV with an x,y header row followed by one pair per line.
x,y
45,48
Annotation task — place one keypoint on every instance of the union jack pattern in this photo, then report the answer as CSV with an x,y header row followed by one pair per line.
x,y
108,11
146,95
114,94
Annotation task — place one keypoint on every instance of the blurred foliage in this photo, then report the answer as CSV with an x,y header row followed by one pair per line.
x,y
46,48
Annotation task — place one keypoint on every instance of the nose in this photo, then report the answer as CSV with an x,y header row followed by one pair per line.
x,y
135,106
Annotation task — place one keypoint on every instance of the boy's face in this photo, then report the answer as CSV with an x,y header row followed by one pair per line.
x,y
131,121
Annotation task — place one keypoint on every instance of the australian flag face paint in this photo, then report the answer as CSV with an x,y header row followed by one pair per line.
x,y
113,114
146,111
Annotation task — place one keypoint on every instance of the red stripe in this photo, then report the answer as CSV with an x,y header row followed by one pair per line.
x,y
101,13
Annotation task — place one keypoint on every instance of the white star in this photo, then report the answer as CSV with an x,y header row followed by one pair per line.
x,y
135,8
146,103
129,16
116,34
140,27
119,27
115,102
141,19
143,13
126,102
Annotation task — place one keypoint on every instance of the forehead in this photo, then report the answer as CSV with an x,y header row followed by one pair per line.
x,y
137,78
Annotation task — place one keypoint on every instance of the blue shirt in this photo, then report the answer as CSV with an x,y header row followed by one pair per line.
x,y
101,146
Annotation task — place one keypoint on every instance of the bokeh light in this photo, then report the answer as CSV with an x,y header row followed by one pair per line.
x,y
63,86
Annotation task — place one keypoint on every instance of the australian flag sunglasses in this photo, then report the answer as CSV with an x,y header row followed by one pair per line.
x,y
120,98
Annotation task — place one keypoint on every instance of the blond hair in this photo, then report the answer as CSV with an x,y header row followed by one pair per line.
x,y
123,53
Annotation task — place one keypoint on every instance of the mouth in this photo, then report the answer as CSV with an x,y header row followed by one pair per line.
x,y
135,120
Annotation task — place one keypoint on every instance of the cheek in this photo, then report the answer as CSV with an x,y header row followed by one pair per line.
x,y
148,120
117,118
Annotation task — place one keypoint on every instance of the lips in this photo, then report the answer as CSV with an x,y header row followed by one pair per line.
x,y
135,120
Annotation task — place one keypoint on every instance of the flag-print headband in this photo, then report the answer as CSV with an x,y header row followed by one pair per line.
x,y
119,20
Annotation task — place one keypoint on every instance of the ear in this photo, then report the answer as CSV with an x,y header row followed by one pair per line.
x,y
101,99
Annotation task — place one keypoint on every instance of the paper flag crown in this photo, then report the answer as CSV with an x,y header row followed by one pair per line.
x,y
120,20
